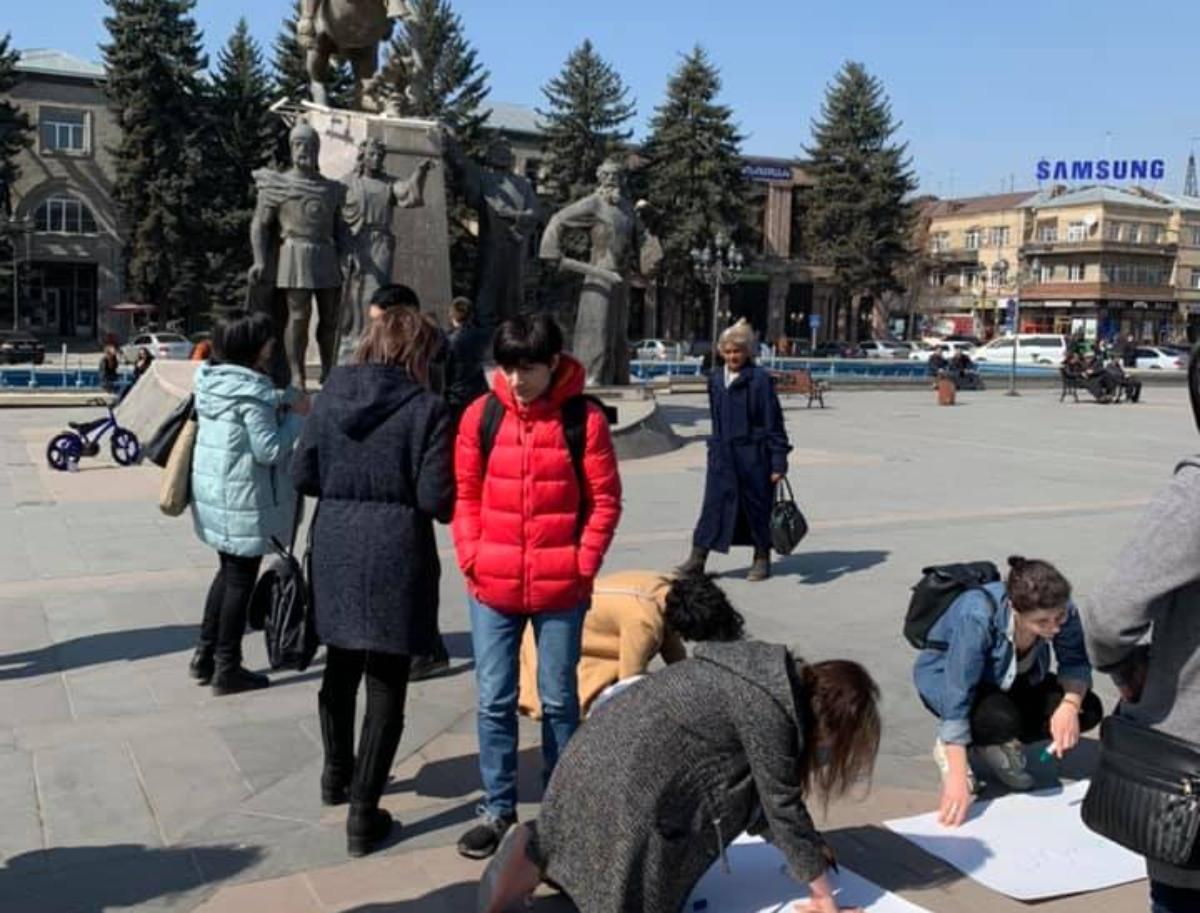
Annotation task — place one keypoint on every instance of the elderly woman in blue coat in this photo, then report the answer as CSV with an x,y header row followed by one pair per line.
x,y
747,456
986,675
242,492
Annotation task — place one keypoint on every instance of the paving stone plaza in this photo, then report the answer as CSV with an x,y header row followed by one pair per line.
x,y
126,786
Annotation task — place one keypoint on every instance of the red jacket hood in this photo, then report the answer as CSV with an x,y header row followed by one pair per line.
x,y
568,381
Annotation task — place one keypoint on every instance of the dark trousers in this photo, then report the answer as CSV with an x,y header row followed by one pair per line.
x,y
386,676
226,608
1165,898
1023,712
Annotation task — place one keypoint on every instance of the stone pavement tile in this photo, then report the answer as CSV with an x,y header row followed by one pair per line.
x,y
77,616
290,894
24,628
41,700
20,825
90,794
266,752
118,689
189,778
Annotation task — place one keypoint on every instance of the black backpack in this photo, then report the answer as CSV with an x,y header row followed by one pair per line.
x,y
574,421
938,587
282,604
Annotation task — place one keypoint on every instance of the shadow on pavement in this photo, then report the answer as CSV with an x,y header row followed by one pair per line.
x,y
453,778
97,649
815,568
95,879
459,897
895,864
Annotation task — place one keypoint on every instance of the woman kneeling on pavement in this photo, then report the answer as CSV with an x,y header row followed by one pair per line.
x,y
376,452
989,680
651,790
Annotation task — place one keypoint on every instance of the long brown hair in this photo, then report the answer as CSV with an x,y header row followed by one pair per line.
x,y
401,337
842,730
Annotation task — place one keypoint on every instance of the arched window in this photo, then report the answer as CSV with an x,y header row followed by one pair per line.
x,y
65,214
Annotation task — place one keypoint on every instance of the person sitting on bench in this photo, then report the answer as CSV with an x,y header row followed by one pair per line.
x,y
1130,386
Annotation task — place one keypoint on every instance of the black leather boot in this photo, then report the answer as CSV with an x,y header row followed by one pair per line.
x,y
236,679
761,568
203,665
368,825
695,563
337,736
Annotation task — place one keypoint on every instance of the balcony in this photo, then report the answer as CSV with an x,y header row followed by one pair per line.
x,y
1033,249
1096,291
958,256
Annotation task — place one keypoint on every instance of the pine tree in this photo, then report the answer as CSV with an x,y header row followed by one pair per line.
x,y
154,62
14,125
588,104
241,139
452,87
693,172
859,220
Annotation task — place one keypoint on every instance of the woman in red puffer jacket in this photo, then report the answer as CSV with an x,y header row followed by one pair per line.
x,y
530,541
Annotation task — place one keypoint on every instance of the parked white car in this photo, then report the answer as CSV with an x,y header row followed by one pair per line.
x,y
656,350
1032,348
1153,358
885,348
160,345
926,347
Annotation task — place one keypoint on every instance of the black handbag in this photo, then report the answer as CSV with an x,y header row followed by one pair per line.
x,y
788,526
1145,794
158,450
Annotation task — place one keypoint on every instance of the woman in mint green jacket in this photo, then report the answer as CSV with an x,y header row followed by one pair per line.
x,y
242,493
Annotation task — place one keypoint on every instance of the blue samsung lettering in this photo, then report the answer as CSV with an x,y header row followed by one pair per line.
x,y
1043,170
1158,170
1139,170
1102,169
1120,170
1081,171
1060,171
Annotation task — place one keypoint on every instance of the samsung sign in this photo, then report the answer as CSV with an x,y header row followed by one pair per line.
x,y
1102,170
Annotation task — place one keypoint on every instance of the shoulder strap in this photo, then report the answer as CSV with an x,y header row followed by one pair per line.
x,y
574,419
1193,462
489,425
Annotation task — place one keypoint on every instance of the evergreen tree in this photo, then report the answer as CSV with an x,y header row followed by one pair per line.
x,y
588,104
693,172
154,61
14,125
859,219
452,85
241,139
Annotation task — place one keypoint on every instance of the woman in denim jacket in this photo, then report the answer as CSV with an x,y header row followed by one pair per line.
x,y
986,676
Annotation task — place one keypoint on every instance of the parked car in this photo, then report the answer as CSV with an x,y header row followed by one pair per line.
x,y
1160,358
886,348
160,345
656,350
926,347
838,350
17,348
1032,348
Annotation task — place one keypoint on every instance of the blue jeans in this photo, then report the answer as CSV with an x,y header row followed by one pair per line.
x,y
1165,898
496,642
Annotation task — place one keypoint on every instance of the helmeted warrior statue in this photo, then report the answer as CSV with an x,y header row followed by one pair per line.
x,y
351,30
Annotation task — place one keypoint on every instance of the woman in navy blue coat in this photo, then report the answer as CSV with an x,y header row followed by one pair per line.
x,y
747,455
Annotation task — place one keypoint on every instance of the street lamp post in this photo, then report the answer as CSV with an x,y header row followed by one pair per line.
x,y
719,263
1024,277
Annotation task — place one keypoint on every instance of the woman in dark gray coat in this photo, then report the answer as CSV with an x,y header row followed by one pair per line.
x,y
655,785
376,452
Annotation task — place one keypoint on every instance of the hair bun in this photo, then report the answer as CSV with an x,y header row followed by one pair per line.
x,y
1016,562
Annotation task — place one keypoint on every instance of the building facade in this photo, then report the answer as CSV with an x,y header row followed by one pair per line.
x,y
1102,261
69,249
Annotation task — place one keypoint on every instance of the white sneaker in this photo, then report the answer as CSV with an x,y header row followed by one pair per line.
x,y
1007,763
943,763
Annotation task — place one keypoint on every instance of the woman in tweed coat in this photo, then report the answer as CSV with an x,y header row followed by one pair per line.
x,y
654,787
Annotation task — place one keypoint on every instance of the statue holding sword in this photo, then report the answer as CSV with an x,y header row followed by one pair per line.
x,y
617,235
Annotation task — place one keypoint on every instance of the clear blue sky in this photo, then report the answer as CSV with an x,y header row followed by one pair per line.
x,y
983,90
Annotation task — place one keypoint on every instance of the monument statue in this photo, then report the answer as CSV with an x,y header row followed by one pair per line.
x,y
298,237
617,234
509,211
368,207
351,30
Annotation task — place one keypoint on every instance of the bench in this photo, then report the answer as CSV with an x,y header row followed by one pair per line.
x,y
803,383
1071,382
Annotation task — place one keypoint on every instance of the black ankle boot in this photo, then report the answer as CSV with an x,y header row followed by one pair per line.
x,y
203,665
236,679
337,736
368,825
761,569
695,563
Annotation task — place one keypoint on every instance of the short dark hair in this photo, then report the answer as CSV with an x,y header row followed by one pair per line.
x,y
462,310
527,340
697,609
392,296
1034,584
239,338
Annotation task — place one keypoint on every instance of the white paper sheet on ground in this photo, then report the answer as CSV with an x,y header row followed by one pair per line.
x,y
1029,846
759,882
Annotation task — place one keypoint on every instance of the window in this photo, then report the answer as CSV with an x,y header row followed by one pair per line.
x,y
1077,231
1045,273
1112,231
971,239
1076,272
999,236
941,242
62,129
65,215
1133,233
1196,236
1196,278
999,277
1048,231
1157,233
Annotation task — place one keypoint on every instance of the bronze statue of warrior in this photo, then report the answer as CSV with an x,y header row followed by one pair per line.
x,y
351,30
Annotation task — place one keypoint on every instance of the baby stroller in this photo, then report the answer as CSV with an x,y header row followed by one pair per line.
x,y
67,448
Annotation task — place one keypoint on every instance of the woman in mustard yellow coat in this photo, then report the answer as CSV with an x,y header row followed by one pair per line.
x,y
636,616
